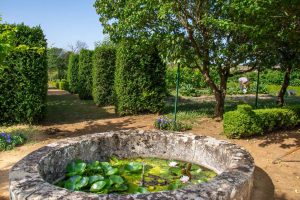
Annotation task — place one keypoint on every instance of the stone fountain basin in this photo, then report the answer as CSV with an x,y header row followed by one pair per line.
x,y
31,177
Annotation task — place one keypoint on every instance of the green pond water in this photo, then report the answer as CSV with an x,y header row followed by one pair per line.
x,y
132,176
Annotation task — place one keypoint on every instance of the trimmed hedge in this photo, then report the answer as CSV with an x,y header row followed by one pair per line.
x,y
139,80
63,85
23,78
85,82
245,122
104,62
72,76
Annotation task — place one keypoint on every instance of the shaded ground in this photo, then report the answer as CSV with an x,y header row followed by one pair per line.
x,y
69,117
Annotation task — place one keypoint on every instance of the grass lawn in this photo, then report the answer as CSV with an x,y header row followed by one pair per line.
x,y
273,89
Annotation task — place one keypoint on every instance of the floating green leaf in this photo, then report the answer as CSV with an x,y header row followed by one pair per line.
x,y
82,183
134,167
76,168
116,179
95,178
94,166
96,187
142,190
111,171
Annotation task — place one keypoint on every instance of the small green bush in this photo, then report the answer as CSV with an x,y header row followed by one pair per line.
x,y
104,62
245,122
164,123
85,79
72,76
8,141
63,85
52,84
23,78
139,79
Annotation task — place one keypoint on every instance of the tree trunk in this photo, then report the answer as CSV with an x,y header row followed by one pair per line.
x,y
285,84
220,102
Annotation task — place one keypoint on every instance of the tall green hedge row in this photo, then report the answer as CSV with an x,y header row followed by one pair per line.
x,y
245,122
23,78
103,74
139,79
85,82
72,76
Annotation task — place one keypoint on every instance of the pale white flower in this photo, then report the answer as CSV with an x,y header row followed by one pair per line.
x,y
173,164
184,179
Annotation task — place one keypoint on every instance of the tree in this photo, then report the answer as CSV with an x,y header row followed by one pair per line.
x,y
79,45
284,37
58,62
205,34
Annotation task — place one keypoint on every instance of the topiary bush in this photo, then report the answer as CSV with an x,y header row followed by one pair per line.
x,y
104,62
63,85
72,76
23,78
245,122
85,80
139,79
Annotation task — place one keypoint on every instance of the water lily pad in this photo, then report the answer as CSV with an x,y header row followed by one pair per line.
x,y
134,167
82,183
118,188
94,166
175,171
142,190
76,168
75,179
116,179
105,166
112,171
95,178
69,185
96,187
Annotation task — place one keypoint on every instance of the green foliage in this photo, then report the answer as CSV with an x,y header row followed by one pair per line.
x,y
9,141
139,79
245,122
103,74
23,77
63,85
58,61
164,123
188,76
72,76
129,174
85,79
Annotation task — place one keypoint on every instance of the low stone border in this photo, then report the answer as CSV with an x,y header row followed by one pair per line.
x,y
31,177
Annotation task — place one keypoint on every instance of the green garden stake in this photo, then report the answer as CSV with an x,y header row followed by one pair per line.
x,y
257,87
176,97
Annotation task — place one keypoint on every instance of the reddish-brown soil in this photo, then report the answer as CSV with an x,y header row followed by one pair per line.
x,y
272,181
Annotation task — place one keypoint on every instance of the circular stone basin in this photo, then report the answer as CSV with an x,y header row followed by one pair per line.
x,y
31,177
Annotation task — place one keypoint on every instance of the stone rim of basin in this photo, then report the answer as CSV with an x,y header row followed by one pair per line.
x,y
31,177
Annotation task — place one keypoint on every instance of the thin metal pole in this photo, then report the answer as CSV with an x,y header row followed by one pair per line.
x,y
177,89
257,87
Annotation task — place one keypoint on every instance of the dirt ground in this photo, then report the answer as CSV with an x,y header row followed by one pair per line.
x,y
272,181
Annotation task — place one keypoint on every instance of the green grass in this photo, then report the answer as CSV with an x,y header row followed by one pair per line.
x,y
274,89
68,108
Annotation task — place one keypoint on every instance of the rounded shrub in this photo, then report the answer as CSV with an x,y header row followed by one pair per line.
x,y
72,77
23,78
139,79
103,74
241,123
85,81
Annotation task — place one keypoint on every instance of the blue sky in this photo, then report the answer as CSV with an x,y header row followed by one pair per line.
x,y
63,21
